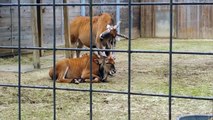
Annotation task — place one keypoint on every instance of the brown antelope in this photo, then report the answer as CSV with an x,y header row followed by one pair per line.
x,y
103,33
75,70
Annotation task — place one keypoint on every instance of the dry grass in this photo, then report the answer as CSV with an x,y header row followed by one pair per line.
x,y
192,76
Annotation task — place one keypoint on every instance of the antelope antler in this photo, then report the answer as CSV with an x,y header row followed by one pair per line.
x,y
123,36
116,26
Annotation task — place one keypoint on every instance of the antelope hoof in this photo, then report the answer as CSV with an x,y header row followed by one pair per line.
x,y
76,81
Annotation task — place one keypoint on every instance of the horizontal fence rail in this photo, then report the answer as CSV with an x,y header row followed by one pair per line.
x,y
109,50
107,91
104,4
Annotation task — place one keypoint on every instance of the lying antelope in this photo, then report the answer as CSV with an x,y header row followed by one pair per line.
x,y
75,70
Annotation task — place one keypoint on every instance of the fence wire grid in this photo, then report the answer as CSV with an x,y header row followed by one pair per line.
x,y
130,4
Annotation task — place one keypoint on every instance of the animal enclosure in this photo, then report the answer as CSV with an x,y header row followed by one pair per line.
x,y
156,78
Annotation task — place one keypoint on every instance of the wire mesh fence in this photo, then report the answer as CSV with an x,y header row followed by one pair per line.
x,y
129,51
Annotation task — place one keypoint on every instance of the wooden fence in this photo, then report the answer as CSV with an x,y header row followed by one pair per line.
x,y
191,21
9,24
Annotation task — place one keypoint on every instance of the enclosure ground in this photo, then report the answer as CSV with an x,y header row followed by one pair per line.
x,y
192,76
28,67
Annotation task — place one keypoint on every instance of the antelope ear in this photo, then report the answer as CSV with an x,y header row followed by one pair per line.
x,y
98,61
112,57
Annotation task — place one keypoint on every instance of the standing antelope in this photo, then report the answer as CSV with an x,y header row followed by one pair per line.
x,y
103,33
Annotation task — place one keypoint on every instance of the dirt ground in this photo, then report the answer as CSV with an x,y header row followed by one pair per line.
x,y
192,75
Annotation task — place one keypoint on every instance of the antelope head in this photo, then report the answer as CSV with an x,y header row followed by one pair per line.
x,y
111,31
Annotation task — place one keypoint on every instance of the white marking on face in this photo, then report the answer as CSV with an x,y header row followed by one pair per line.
x,y
108,26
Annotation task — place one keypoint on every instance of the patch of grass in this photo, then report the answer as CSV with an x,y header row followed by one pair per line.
x,y
199,45
193,45
202,90
27,58
144,44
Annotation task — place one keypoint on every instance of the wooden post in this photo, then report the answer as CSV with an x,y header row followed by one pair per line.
x,y
153,29
83,8
140,21
36,56
66,29
176,17
143,21
40,26
118,15
146,25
